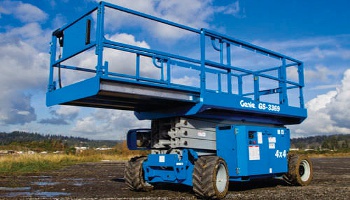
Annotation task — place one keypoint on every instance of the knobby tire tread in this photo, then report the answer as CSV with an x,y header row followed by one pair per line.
x,y
134,175
293,176
203,177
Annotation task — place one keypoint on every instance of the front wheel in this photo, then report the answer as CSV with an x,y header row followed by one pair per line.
x,y
300,172
134,175
210,177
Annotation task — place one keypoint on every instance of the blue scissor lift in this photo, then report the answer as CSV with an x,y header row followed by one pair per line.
x,y
227,124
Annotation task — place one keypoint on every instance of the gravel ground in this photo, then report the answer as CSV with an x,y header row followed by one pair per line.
x,y
104,180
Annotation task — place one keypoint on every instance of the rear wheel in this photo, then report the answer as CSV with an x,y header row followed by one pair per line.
x,y
300,171
210,177
134,175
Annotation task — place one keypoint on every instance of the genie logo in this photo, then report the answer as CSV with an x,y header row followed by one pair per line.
x,y
247,104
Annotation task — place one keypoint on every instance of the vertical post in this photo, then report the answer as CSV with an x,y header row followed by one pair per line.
x,y
162,69
221,52
100,39
53,47
240,85
282,83
301,84
219,83
168,72
256,88
202,73
105,73
137,67
229,71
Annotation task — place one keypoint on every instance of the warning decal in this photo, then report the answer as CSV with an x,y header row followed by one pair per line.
x,y
272,142
254,152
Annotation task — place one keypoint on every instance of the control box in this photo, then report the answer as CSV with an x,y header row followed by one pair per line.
x,y
253,150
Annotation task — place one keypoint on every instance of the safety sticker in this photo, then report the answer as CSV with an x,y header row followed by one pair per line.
x,y
254,152
272,142
272,139
161,159
260,138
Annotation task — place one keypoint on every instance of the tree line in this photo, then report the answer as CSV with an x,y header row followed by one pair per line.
x,y
330,142
19,140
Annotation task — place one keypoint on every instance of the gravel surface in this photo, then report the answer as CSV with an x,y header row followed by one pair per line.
x,y
104,180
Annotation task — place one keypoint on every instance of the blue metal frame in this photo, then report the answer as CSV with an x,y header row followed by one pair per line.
x,y
250,152
253,151
169,168
236,106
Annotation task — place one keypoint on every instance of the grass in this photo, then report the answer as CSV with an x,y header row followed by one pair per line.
x,y
324,154
330,155
35,163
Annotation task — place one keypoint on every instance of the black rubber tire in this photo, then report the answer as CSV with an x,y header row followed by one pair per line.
x,y
300,172
210,177
134,176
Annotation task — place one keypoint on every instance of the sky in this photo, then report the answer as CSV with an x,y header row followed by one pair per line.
x,y
315,32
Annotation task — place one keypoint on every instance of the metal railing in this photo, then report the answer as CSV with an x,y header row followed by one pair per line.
x,y
87,33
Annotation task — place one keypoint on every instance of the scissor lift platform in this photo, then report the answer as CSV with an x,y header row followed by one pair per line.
x,y
159,96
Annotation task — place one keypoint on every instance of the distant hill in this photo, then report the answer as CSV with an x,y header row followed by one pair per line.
x,y
19,137
331,142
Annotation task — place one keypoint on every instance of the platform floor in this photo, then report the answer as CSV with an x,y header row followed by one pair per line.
x,y
102,93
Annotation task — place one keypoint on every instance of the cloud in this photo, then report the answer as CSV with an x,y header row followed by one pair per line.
x,y
320,73
108,124
54,121
17,109
194,13
339,107
231,9
21,70
325,87
23,64
317,48
68,112
328,113
187,80
62,116
23,11
59,21
32,35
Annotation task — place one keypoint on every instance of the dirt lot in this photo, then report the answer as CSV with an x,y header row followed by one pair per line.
x,y
105,180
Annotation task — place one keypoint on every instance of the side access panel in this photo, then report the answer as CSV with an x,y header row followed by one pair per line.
x,y
253,151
